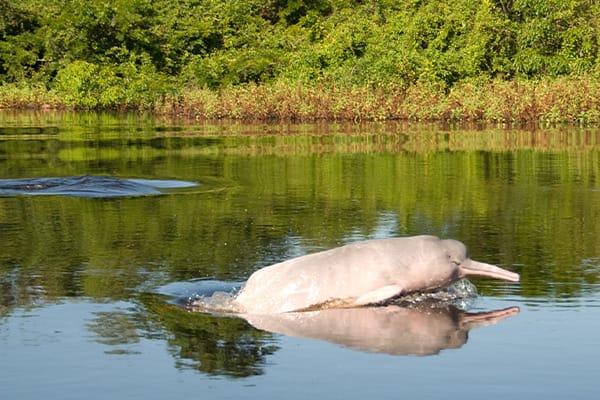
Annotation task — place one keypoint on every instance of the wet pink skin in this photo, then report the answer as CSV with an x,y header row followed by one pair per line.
x,y
361,273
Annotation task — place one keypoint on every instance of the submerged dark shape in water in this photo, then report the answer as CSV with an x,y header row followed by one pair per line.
x,y
362,273
88,186
423,330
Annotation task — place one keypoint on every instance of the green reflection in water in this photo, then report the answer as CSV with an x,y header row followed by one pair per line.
x,y
528,200
210,344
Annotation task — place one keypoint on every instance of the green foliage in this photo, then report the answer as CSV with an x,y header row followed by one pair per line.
x,y
19,47
130,84
555,37
120,53
77,82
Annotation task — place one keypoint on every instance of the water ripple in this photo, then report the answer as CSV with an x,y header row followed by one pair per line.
x,y
89,186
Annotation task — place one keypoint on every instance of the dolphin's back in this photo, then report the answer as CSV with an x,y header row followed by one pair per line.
x,y
341,274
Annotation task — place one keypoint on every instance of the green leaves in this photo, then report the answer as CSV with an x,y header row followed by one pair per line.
x,y
555,37
77,83
117,53
132,84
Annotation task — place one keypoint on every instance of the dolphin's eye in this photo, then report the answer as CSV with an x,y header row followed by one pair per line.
x,y
453,260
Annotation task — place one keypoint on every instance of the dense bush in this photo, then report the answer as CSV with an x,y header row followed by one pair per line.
x,y
134,53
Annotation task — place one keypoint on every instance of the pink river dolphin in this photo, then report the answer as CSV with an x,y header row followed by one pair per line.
x,y
362,273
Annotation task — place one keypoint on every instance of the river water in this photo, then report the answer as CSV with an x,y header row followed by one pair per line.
x,y
133,215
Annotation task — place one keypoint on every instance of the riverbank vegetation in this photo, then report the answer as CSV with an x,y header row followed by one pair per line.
x,y
494,60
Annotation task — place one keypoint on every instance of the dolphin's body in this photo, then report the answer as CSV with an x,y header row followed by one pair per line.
x,y
361,273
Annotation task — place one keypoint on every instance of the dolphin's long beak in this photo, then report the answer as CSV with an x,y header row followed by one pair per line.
x,y
470,267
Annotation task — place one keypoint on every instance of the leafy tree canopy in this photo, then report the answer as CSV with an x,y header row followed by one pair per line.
x,y
129,49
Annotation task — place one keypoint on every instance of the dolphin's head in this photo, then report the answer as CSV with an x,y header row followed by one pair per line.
x,y
457,254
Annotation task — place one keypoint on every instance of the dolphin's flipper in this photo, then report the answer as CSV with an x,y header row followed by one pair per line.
x,y
379,295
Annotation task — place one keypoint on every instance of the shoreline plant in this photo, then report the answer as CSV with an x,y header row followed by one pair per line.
x,y
561,100
306,60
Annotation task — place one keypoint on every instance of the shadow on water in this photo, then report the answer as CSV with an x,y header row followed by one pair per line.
x,y
89,186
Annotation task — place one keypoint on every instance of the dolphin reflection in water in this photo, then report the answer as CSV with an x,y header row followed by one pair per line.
x,y
421,324
388,329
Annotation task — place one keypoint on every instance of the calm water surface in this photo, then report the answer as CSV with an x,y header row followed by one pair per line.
x,y
90,285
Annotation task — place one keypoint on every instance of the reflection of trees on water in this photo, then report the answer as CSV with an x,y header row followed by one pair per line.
x,y
213,345
266,198
118,329
220,346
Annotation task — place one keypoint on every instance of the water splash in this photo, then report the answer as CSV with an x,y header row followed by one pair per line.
x,y
209,296
217,303
460,294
